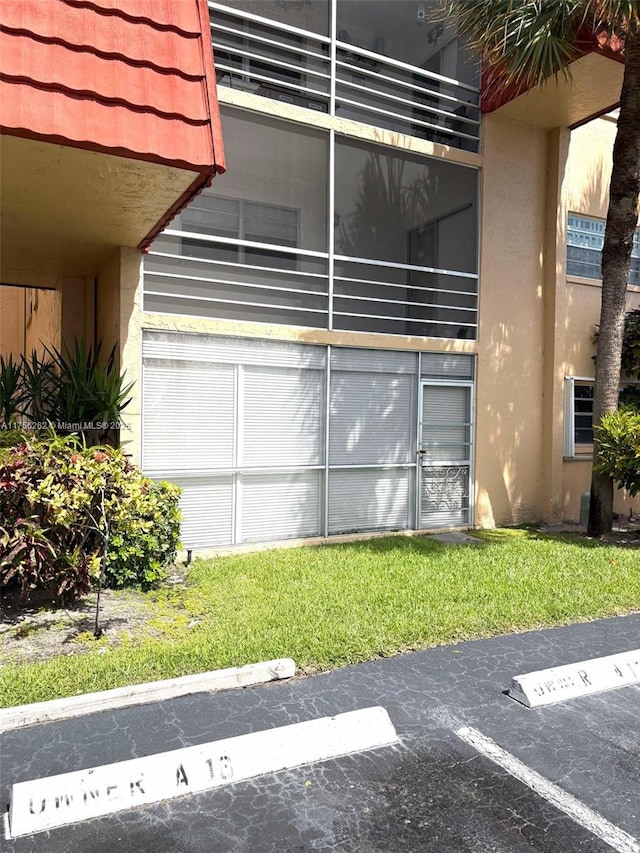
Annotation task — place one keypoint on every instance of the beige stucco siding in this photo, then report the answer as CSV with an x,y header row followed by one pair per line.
x,y
586,192
510,351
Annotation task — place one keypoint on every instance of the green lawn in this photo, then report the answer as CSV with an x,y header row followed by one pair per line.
x,y
333,605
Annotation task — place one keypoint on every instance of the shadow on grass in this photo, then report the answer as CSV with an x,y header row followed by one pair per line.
x,y
617,539
420,544
506,536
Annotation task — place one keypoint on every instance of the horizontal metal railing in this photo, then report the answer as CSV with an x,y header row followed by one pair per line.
x,y
268,58
276,60
413,100
441,304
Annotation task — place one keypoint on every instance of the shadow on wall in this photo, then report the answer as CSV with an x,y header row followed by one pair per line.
x,y
512,370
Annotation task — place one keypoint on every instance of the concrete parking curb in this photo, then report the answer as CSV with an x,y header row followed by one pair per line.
x,y
139,694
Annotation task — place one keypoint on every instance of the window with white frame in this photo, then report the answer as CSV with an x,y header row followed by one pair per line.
x,y
578,417
578,414
585,238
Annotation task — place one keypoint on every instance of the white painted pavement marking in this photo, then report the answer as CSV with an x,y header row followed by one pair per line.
x,y
42,804
576,679
140,694
567,803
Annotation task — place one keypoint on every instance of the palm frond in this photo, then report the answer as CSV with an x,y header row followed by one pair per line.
x,y
524,42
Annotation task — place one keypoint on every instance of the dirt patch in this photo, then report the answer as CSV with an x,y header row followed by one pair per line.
x,y
37,630
625,532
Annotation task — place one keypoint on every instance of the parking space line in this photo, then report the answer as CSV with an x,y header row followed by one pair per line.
x,y
567,803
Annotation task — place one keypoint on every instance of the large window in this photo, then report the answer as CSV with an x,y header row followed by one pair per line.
x,y
405,242
393,64
277,440
253,247
578,415
403,259
245,221
585,238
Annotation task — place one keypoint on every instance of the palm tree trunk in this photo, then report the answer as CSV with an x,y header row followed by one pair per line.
x,y
622,220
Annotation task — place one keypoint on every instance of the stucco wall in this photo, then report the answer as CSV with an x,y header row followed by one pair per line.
x,y
108,301
118,321
510,350
586,191
77,310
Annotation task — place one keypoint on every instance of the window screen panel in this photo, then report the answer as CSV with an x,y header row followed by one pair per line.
x,y
446,365
372,407
446,430
370,418
207,509
283,417
188,418
583,414
280,506
369,499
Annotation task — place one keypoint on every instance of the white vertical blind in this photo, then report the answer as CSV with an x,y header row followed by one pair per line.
x,y
188,416
280,506
368,499
240,425
283,417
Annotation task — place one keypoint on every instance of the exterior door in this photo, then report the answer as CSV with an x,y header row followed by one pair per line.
x,y
445,438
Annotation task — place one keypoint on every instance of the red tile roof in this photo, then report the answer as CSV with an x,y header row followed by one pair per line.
x,y
133,78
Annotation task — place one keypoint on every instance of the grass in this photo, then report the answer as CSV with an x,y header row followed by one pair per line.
x,y
334,605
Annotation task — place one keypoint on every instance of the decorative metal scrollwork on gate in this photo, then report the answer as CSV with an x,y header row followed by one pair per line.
x,y
445,487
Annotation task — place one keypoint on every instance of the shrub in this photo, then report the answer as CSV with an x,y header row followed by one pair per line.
x,y
10,379
60,501
73,390
619,447
144,534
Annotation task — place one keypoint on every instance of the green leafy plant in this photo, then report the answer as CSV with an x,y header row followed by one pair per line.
x,y
89,390
62,501
630,362
10,377
619,434
38,388
631,345
145,530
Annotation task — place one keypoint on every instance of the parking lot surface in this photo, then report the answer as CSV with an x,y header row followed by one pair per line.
x,y
433,791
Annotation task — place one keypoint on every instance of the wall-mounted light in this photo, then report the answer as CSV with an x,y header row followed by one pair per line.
x,y
422,13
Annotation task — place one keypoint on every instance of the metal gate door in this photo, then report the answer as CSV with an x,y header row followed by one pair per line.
x,y
445,437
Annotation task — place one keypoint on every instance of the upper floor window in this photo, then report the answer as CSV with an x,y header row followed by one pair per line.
x,y
402,258
394,65
585,238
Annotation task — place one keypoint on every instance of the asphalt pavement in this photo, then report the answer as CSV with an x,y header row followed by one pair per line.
x,y
430,793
